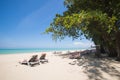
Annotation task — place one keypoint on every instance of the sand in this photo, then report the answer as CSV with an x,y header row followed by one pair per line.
x,y
57,68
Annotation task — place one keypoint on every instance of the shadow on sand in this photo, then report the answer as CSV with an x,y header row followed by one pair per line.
x,y
99,68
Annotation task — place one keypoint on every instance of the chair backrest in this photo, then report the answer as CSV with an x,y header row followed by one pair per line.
x,y
43,56
34,58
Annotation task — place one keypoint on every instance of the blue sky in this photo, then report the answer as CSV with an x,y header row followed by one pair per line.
x,y
23,21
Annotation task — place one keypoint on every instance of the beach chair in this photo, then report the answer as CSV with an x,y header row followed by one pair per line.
x,y
33,61
42,58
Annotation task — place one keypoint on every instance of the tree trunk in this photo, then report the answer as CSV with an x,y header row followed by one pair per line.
x,y
102,49
118,45
97,54
112,52
118,51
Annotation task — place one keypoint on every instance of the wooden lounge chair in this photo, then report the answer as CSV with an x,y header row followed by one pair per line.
x,y
42,58
33,61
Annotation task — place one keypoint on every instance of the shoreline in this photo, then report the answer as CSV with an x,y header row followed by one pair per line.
x,y
21,51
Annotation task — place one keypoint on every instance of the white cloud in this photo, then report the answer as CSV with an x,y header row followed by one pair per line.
x,y
83,44
78,43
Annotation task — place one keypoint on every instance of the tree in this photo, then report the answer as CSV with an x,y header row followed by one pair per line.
x,y
95,19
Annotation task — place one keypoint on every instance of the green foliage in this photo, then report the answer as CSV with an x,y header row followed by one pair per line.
x,y
82,23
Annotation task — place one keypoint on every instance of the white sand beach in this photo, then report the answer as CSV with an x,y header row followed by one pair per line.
x,y
57,68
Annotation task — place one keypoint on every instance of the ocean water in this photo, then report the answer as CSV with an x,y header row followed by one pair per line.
x,y
33,50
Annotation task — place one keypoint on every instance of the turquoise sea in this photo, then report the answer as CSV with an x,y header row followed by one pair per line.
x,y
32,50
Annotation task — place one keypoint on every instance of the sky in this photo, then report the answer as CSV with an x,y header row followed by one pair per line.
x,y
22,23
